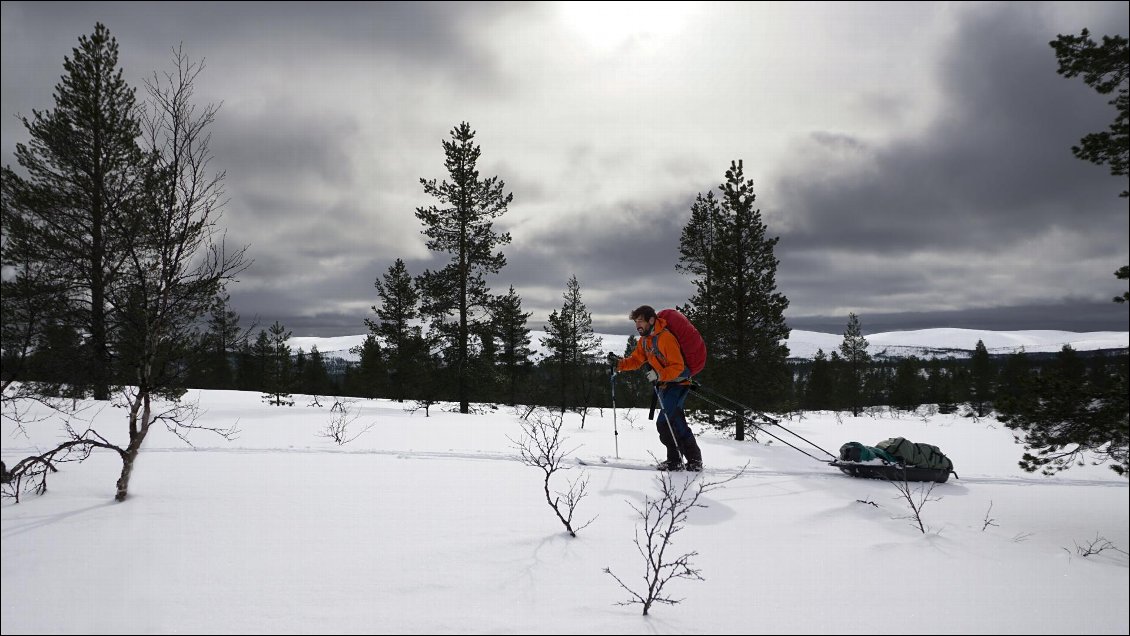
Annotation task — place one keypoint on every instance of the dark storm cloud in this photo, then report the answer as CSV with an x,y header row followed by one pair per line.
x,y
969,201
995,167
418,33
618,270
430,36
282,148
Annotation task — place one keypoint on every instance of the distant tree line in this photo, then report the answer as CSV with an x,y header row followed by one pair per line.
x,y
977,386
574,375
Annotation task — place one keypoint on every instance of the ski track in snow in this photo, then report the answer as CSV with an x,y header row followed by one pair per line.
x,y
583,463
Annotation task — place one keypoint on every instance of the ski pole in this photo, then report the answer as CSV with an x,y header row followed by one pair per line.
x,y
615,431
667,418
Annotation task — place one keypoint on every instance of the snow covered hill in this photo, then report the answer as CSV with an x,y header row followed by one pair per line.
x,y
959,343
924,343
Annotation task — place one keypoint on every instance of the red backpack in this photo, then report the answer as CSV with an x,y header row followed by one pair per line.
x,y
690,340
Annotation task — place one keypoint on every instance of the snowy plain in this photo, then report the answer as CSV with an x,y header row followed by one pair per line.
x,y
431,524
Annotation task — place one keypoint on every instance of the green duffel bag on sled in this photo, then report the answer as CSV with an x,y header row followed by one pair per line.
x,y
895,459
917,455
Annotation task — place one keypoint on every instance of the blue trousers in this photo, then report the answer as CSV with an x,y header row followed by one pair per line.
x,y
672,397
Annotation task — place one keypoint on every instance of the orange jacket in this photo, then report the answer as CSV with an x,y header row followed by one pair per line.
x,y
661,350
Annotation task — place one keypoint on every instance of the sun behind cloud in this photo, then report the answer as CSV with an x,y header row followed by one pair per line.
x,y
608,25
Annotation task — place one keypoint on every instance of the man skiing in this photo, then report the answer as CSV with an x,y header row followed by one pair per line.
x,y
659,348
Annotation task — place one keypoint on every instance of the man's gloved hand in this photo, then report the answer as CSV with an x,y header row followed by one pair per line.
x,y
613,360
652,375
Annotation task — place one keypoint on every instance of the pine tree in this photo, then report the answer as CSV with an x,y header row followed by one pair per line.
x,y
369,375
906,394
853,350
877,382
840,372
463,228
32,353
315,378
278,377
397,329
556,341
223,339
737,299
961,381
820,390
252,358
298,369
982,380
939,386
86,173
699,245
483,363
162,214
1015,381
59,342
514,338
1068,415
573,346
1106,69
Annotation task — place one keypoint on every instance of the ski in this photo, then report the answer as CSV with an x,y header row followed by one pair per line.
x,y
635,464
616,463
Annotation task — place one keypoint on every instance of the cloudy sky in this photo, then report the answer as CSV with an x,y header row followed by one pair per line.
x,y
913,158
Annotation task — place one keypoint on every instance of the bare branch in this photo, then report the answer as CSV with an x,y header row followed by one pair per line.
x,y
29,475
1096,546
988,520
542,446
915,499
341,417
664,517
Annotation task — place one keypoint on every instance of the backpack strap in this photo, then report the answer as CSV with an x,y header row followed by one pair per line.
x,y
652,348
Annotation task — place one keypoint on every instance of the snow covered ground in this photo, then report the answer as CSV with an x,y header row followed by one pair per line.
x,y
431,525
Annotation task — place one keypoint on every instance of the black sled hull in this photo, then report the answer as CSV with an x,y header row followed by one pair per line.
x,y
892,472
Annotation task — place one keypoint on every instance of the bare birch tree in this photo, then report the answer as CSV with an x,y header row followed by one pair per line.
x,y
664,517
174,264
